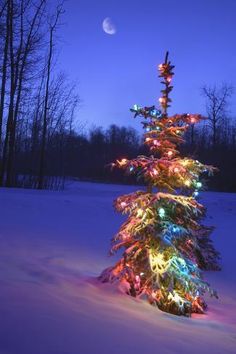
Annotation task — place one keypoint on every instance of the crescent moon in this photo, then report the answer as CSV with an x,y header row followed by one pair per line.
x,y
108,26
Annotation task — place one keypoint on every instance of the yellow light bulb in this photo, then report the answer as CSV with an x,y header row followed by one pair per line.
x,y
139,213
187,182
184,163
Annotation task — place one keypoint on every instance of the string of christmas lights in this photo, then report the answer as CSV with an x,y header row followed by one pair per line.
x,y
165,245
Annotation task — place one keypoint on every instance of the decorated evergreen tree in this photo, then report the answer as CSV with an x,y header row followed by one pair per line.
x,y
165,245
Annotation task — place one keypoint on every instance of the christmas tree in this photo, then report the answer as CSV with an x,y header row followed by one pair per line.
x,y
165,245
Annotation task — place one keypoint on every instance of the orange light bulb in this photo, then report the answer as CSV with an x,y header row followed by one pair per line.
x,y
122,162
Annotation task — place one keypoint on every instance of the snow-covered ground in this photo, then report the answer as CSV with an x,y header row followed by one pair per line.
x,y
52,247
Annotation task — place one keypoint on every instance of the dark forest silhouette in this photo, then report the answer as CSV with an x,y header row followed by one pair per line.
x,y
88,158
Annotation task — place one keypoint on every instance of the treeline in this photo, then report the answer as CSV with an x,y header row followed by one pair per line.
x,y
88,157
222,155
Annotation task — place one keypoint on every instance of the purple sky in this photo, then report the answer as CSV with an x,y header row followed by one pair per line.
x,y
116,71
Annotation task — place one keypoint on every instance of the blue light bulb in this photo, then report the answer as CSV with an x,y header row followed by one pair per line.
x,y
175,229
153,112
196,193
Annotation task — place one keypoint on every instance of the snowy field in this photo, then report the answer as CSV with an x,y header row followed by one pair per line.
x,y
52,247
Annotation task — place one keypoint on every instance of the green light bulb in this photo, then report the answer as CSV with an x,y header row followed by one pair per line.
x,y
161,212
199,184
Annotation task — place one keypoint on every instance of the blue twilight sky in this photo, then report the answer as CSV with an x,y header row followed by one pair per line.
x,y
116,71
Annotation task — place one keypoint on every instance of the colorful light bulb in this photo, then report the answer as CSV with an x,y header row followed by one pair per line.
x,y
161,212
187,182
154,172
199,184
192,120
156,142
184,163
195,194
122,162
140,213
153,112
175,229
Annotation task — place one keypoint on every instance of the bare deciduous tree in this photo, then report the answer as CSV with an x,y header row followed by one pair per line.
x,y
52,28
217,101
5,8
22,36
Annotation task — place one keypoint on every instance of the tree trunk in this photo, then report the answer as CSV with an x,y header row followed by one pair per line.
x,y
45,111
44,132
19,79
12,94
192,134
3,83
